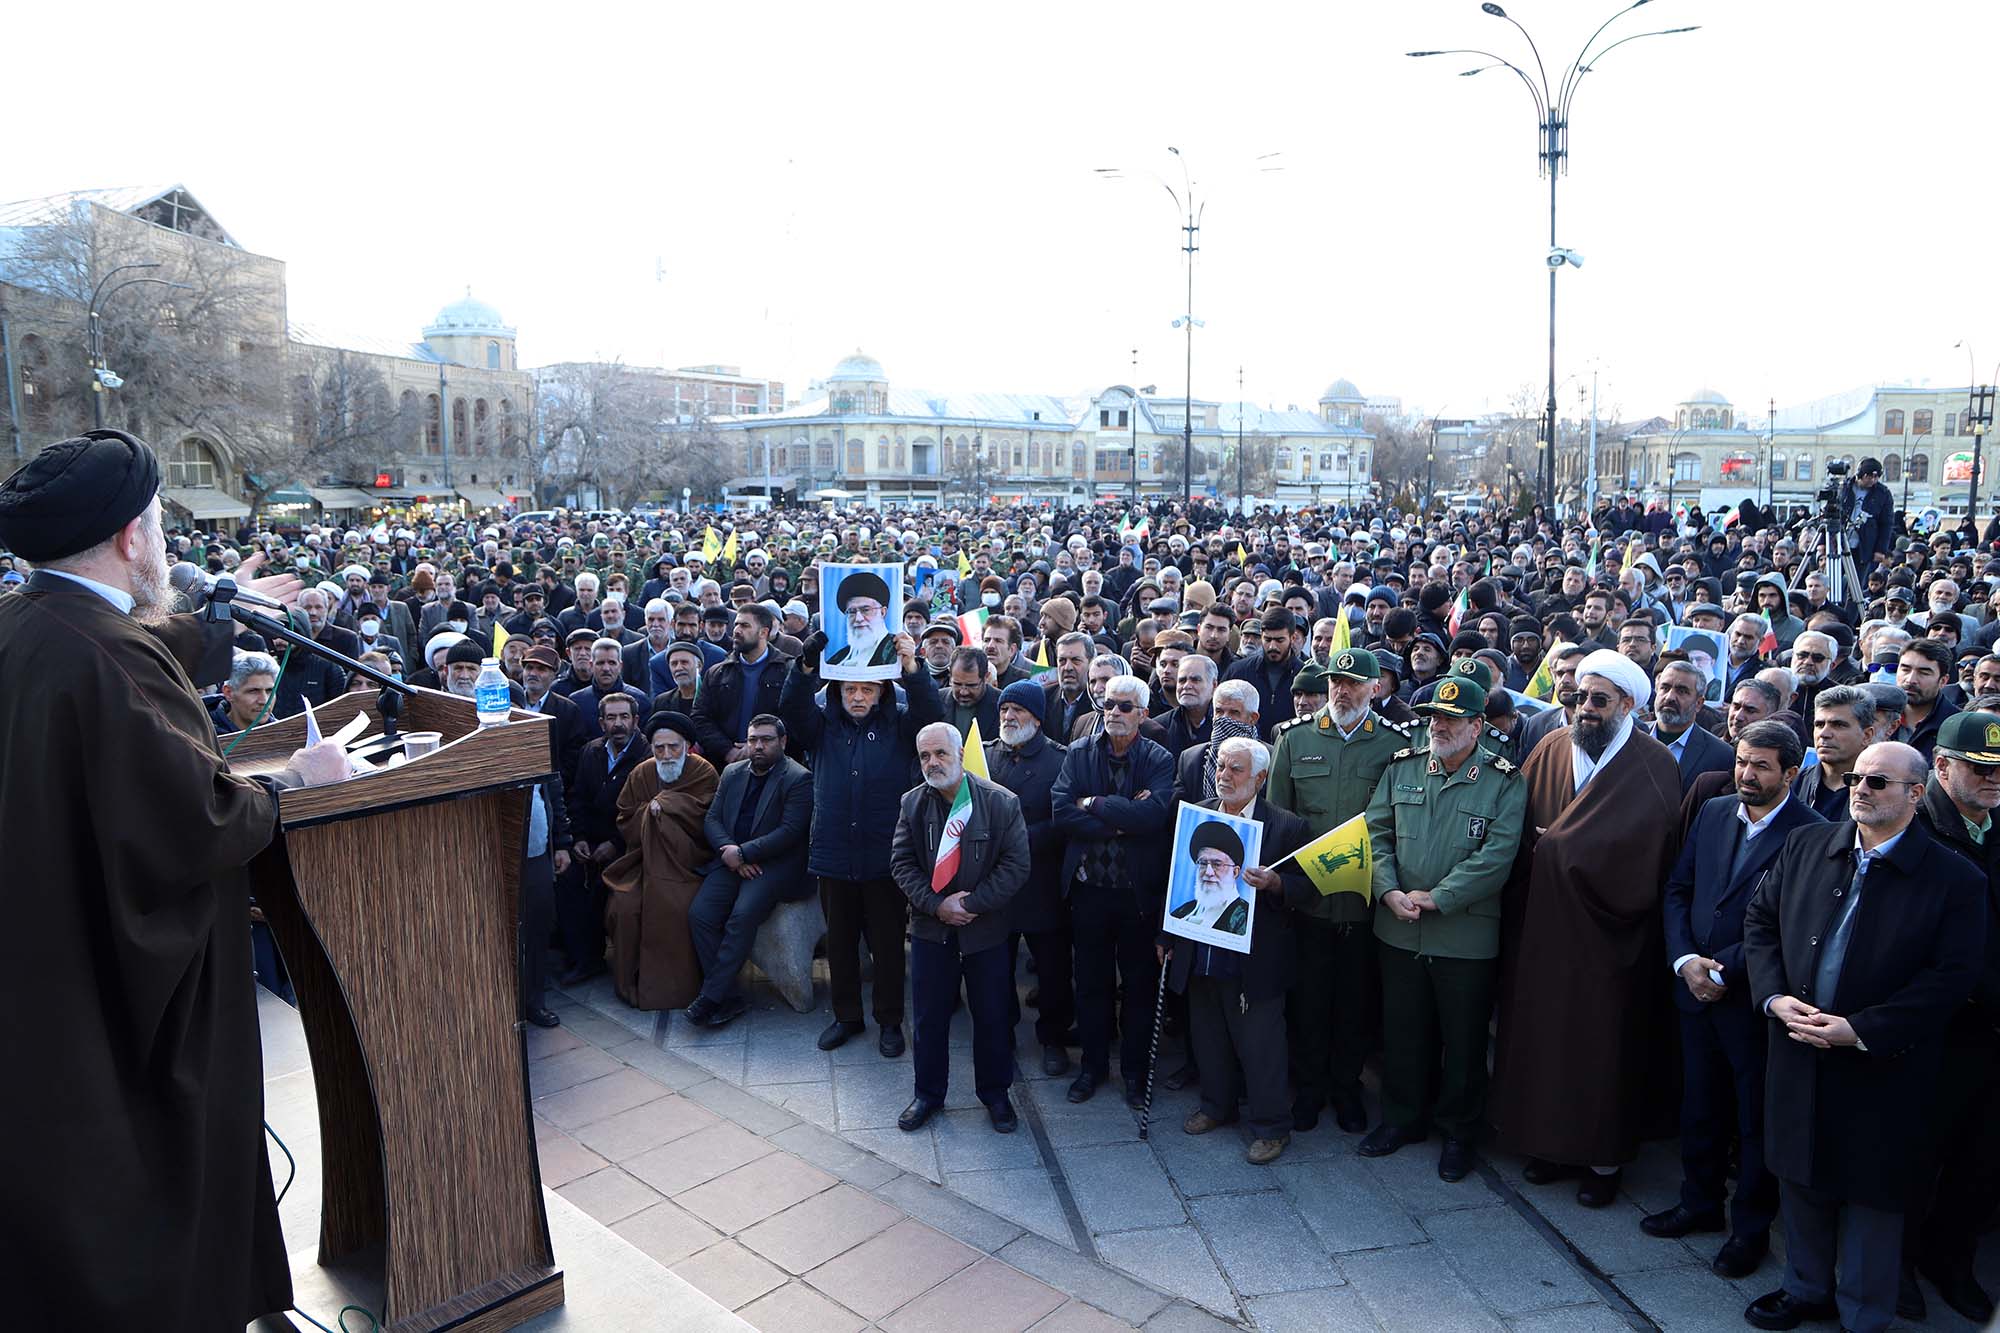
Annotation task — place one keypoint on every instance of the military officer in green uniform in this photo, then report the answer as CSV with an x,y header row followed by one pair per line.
x,y
1491,738
1324,770
1443,825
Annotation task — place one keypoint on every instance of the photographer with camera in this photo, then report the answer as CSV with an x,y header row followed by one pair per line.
x,y
1871,511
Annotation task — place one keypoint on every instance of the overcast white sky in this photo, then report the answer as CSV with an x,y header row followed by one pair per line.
x,y
1795,200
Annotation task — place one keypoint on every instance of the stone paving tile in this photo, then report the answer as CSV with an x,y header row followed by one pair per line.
x,y
1695,1300
870,1096
732,1103
950,1214
1076,1317
1180,1317
916,1153
1022,1194
1578,1319
564,1069
988,1297
1119,1187
753,1192
1340,1200
886,1271
1507,1261
721,1061
600,1098
664,1066
563,1159
632,1132
779,1056
609,1195
1210,1163
1262,1245
830,1152
966,1141
1067,1271
544,1042
667,1233
1335,1310
1409,1288
598,1030
1609,1235
1103,1119
810,1102
1653,1179
1411,1177
729,1273
797,1308
1175,1260
698,1157
683,1036
817,1229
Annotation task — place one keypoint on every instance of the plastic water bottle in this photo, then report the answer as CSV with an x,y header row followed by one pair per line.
x,y
489,694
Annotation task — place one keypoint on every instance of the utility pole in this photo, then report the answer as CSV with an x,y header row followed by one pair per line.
x,y
1590,486
444,425
1239,438
1980,411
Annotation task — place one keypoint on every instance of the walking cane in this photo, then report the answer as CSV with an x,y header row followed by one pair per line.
x,y
1153,1055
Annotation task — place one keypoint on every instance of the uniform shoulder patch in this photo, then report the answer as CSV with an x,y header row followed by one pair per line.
x,y
1400,728
1288,724
1412,752
1502,765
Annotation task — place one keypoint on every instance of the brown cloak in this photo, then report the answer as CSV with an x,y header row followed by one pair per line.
x,y
136,1192
1583,977
653,962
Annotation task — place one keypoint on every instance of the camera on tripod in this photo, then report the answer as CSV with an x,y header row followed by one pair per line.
x,y
1832,497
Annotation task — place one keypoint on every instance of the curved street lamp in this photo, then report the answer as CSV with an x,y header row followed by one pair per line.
x,y
1552,115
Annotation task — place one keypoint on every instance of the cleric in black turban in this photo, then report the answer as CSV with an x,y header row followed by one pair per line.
x,y
76,493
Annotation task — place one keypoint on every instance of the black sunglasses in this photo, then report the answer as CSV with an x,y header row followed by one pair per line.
x,y
1875,781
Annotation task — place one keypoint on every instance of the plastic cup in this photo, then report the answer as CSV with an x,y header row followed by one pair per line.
x,y
419,743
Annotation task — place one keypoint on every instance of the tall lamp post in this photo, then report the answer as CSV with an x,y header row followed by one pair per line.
x,y
1978,419
102,380
1552,114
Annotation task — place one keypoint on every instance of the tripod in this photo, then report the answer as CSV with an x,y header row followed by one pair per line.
x,y
1829,548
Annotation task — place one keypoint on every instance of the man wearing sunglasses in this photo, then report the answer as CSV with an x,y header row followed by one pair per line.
x,y
1957,810
1864,941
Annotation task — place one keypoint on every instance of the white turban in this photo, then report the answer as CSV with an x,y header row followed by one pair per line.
x,y
444,638
1621,671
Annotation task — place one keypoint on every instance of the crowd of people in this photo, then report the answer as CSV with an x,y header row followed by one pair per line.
x,y
1666,839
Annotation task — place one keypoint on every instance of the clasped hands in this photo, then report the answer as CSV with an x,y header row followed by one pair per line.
x,y
1814,1027
1409,906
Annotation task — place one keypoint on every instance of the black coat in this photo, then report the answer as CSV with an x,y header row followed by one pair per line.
x,y
860,768
1981,1018
1030,773
1274,687
1268,971
592,799
1846,1121
585,700
720,702
1143,824
1702,752
778,830
993,863
566,738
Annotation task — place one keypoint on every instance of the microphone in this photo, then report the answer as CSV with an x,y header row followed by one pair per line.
x,y
194,582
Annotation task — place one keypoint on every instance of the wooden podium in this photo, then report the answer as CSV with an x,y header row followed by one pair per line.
x,y
394,898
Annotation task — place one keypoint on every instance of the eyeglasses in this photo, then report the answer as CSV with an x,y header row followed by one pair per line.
x,y
1121,705
1800,655
1598,699
1875,781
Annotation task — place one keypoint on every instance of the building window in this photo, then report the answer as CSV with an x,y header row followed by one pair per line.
x,y
191,466
1284,458
458,422
1076,461
508,439
1920,421
1035,456
482,427
1951,423
1124,417
1326,462
493,356
432,435
1104,417
1892,469
823,457
855,452
1892,421
1920,467
882,456
1687,467
37,394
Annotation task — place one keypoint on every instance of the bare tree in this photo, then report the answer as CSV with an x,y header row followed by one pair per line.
x,y
602,425
343,418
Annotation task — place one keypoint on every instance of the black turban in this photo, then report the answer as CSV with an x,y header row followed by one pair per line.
x,y
863,583
76,493
1213,833
672,721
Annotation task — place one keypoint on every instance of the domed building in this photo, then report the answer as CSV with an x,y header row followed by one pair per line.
x,y
1342,404
1704,409
471,333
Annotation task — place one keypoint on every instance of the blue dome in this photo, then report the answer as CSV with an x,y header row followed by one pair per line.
x,y
859,367
1342,391
468,318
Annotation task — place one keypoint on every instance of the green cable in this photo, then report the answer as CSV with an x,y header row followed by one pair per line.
x,y
340,1320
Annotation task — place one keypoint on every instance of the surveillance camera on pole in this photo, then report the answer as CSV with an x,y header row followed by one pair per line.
x,y
1558,256
109,378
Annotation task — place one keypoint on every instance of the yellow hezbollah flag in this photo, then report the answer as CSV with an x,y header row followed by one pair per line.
x,y
1343,636
500,637
964,565
974,760
1543,686
729,550
711,545
1340,860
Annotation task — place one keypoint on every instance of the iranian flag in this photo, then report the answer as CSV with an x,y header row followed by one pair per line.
x,y
972,622
946,868
1459,610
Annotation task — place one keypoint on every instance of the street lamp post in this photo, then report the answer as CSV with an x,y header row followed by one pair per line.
x,y
1239,437
1980,412
1552,114
102,381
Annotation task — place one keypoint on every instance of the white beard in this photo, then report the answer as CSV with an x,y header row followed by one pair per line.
x,y
1210,904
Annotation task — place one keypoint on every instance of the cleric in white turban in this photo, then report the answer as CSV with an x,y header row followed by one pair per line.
x,y
1600,730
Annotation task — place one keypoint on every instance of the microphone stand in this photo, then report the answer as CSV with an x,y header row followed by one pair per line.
x,y
388,704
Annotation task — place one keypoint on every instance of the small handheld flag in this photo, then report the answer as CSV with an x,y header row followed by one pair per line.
x,y
500,637
946,868
972,622
729,550
974,757
711,545
1339,860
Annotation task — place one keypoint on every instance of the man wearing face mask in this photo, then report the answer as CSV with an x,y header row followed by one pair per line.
x,y
394,630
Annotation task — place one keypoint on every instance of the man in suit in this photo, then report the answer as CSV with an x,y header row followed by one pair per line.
x,y
1676,699
960,855
1731,846
638,657
601,769
748,682
1860,943
1236,1002
757,825
393,618
606,677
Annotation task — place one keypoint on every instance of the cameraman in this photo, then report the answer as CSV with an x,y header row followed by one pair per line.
x,y
1872,513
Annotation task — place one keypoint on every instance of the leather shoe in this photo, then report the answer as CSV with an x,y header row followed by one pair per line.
x,y
1541,1171
728,1011
1305,1116
1455,1160
1781,1310
837,1032
1001,1113
1598,1190
1135,1093
1386,1138
544,1017
916,1113
1740,1256
576,976
1350,1115
699,1011
1181,1077
1201,1122
1083,1086
1680,1220
890,1043
1961,1291
1055,1061
1910,1296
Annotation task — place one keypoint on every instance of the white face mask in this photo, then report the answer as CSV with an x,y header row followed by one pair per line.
x,y
370,627
457,626
991,598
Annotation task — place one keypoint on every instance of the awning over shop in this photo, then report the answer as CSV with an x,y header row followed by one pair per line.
x,y
289,495
204,503
482,497
833,493
342,497
779,482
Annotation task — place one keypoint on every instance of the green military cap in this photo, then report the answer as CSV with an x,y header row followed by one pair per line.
x,y
1456,696
1353,664
1310,680
1972,736
1474,670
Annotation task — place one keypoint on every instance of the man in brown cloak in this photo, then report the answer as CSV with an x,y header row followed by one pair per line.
x,y
137,1192
660,812
1581,994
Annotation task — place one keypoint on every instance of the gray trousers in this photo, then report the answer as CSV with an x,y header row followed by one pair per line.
x,y
1868,1243
1222,1034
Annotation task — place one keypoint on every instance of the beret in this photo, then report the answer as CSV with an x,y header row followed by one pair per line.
x,y
465,650
1213,833
1029,695
76,493
668,719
